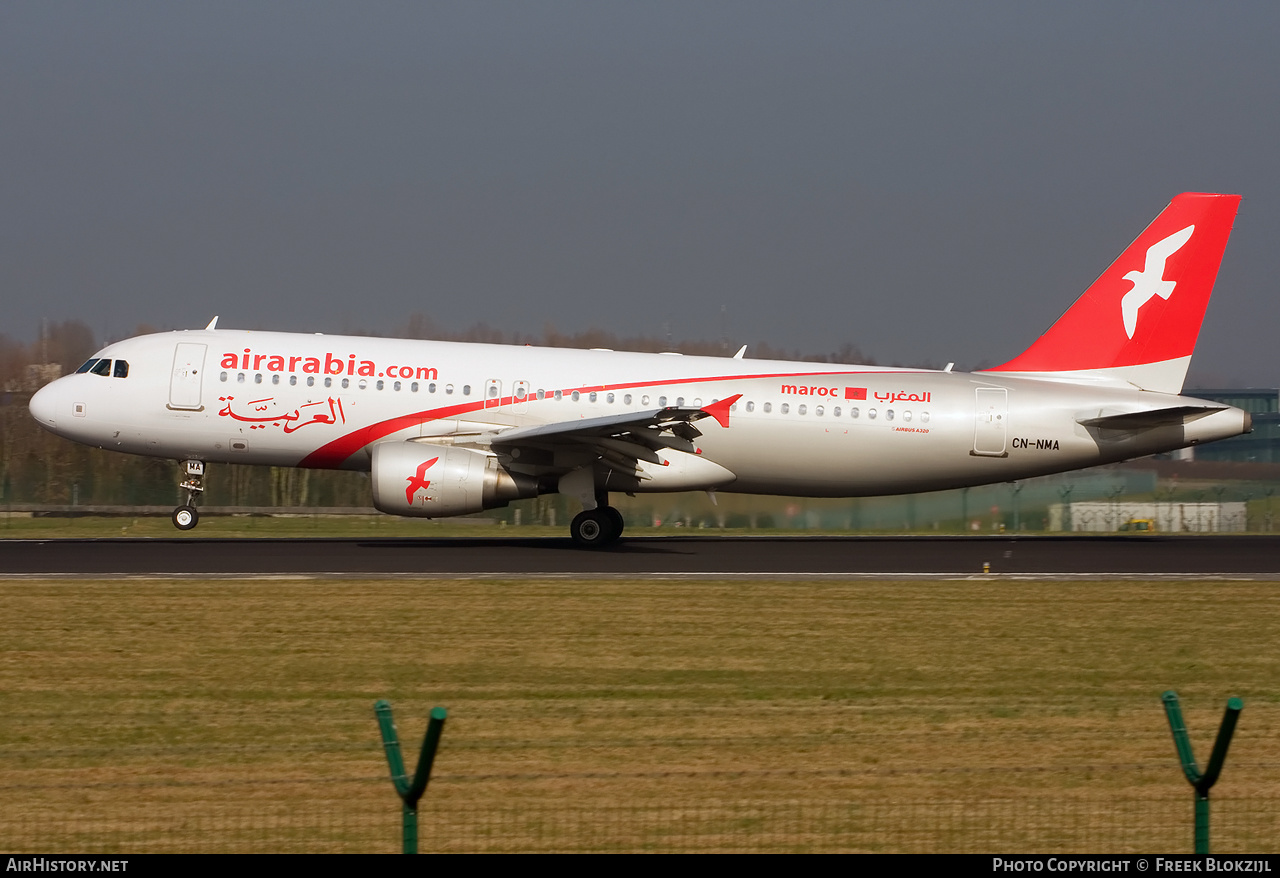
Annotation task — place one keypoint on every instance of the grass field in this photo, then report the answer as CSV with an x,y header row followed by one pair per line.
x,y
191,698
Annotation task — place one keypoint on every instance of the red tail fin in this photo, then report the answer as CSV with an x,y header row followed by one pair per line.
x,y
1139,321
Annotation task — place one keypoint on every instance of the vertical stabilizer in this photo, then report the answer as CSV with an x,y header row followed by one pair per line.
x,y
1139,321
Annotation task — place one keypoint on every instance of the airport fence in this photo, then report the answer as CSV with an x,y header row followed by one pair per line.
x,y
1007,825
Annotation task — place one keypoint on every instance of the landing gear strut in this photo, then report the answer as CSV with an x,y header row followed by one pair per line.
x,y
185,516
597,527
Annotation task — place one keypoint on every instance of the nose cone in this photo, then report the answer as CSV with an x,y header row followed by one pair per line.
x,y
44,406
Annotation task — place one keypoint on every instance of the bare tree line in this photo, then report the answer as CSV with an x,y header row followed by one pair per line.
x,y
69,343
38,467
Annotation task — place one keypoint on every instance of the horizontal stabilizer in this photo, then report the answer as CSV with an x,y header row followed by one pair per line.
x,y
1179,414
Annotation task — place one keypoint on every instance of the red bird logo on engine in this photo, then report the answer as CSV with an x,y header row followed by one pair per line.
x,y
418,480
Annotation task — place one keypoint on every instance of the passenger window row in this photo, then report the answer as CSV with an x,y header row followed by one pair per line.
x,y
102,367
344,383
836,411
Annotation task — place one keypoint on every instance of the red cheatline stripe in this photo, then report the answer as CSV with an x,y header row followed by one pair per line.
x,y
331,455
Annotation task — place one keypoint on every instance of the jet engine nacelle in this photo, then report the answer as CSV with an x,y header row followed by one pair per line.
x,y
437,481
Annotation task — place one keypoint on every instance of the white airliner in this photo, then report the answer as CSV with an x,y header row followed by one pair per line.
x,y
448,429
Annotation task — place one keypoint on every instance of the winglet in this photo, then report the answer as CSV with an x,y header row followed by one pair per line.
x,y
720,410
741,353
213,324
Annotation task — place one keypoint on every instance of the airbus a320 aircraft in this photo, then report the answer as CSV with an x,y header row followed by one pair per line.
x,y
448,429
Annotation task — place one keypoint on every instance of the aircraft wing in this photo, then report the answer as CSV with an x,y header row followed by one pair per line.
x,y
670,418
620,439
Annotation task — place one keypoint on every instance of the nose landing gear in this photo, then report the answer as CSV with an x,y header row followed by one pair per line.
x,y
185,516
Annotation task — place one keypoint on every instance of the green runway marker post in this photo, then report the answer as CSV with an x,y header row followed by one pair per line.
x,y
1201,783
409,792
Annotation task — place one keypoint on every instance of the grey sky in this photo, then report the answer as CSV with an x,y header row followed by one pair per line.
x,y
930,182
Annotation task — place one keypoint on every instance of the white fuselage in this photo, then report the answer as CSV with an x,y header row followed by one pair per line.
x,y
798,428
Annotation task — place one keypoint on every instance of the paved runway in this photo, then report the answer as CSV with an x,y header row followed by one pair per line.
x,y
1257,556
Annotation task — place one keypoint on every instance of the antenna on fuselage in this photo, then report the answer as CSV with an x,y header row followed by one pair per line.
x,y
213,324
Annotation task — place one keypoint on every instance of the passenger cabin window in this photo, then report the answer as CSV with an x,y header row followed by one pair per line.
x,y
121,369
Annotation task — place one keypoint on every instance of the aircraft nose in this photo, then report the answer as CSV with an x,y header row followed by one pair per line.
x,y
44,406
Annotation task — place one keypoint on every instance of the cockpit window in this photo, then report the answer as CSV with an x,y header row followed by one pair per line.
x,y
88,364
102,367
122,369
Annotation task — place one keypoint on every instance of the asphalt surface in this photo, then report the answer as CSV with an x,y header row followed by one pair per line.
x,y
1120,555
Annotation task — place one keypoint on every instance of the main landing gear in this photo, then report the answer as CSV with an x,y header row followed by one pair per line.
x,y
185,516
597,527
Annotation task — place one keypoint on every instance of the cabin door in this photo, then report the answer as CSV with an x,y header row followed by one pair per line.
x,y
187,376
991,430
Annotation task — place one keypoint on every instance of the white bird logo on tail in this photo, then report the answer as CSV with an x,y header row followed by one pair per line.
x,y
1150,281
